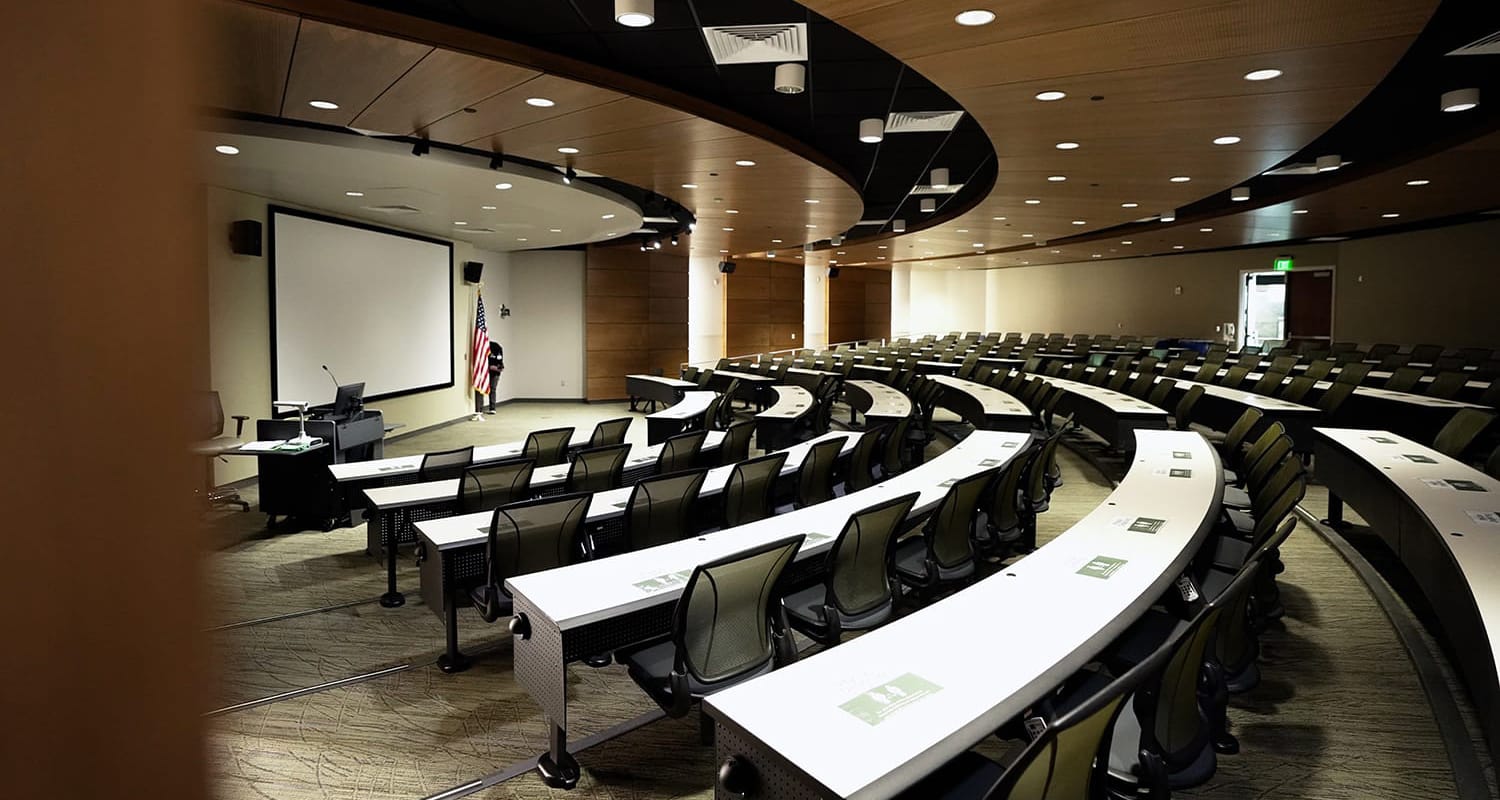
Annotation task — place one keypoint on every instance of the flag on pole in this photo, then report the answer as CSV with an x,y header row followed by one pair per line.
x,y
481,371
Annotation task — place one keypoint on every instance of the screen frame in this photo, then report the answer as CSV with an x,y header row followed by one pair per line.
x,y
271,211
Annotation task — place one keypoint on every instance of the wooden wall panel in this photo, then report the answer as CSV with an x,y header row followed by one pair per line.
x,y
859,305
763,307
636,315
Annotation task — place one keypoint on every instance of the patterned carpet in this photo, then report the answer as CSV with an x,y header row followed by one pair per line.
x,y
1339,714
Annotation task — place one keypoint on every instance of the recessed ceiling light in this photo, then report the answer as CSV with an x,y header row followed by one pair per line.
x,y
1299,211
568,151
1180,179
607,216
1176,247
810,225
881,257
1054,252
731,211
540,102
459,222
1057,178
1096,255
841,252
227,149
635,13
775,241
723,251
502,186
1262,74
744,162
1080,222
1460,100
1418,182
354,194
1049,96
1067,145
1389,215
729,229
1127,241
488,208
554,230
975,17
1227,140
522,239
881,247
1205,230
978,244
1130,205
1025,262
1028,235
811,201
1032,201
324,105
962,230
998,219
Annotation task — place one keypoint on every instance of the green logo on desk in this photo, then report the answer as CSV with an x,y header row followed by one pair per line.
x,y
1181,473
877,704
661,583
1382,440
1187,454
1420,459
1102,567
1147,525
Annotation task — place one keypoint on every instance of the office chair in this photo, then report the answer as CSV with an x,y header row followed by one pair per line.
x,y
548,447
1333,399
704,377
610,431
1404,379
856,593
1003,524
1235,376
1447,385
1297,389
1491,395
1255,468
1380,351
728,627
944,553
1118,379
1078,371
1474,356
1426,353
1269,384
1161,392
1353,373
445,465
861,470
1492,464
1461,430
711,415
1174,368
1182,415
1318,369
735,447
689,374
815,475
1208,372
895,459
214,446
489,487
1142,385
597,469
749,489
525,537
660,510
680,452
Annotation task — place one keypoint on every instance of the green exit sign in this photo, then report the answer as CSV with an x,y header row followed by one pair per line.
x,y
1282,264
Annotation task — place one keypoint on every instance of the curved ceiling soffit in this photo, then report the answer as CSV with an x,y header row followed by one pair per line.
x,y
1149,87
713,236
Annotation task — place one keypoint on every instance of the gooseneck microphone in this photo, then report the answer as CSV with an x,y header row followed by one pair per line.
x,y
330,375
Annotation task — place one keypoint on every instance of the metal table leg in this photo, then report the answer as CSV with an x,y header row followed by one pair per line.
x,y
391,598
1335,511
452,661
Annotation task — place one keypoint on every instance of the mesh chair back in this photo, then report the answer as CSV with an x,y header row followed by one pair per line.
x,y
1447,385
1249,359
1160,392
1100,376
690,374
1379,351
660,509
1404,379
1142,385
534,535
1235,376
729,394
489,487
1003,508
736,444
1353,373
1474,356
858,578
1394,361
1269,383
597,469
711,414
549,447
1297,389
445,465
610,431
1262,461
1334,396
1118,379
1282,364
704,377
949,531
1318,369
1183,414
1426,353
680,452
861,474
1461,431
894,459
1174,367
1041,466
1240,431
211,409
815,476
1078,371
722,624
747,493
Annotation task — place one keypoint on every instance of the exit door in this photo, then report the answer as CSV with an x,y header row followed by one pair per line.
x,y
1309,304
1281,306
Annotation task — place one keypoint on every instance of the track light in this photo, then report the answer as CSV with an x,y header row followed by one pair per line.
x,y
929,205
421,148
871,130
1239,193
1460,100
497,161
635,13
790,78
692,226
674,240
569,175
939,178
655,244
1329,163
1169,216
836,240
898,226
770,254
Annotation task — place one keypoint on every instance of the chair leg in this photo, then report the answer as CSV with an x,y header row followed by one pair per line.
x,y
705,728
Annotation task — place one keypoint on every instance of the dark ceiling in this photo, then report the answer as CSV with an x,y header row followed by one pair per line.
x,y
848,79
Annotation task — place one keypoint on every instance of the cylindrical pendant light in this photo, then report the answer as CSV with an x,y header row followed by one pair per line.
x,y
635,13
770,254
939,178
1329,163
1169,216
899,225
791,78
929,205
871,130
1239,193
807,248
836,240
1460,100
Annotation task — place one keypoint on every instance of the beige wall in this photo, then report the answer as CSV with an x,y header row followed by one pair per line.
x,y
1436,285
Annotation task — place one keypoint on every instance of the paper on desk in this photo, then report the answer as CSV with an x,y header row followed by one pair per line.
x,y
262,446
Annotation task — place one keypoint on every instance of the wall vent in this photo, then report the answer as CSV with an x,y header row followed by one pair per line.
x,y
394,209
922,121
755,44
1486,46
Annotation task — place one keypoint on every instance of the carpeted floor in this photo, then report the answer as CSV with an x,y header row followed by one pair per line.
x,y
1339,714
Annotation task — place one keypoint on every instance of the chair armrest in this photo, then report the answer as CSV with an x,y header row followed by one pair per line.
x,y
239,424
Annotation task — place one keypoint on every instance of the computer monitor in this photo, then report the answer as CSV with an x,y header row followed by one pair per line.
x,y
1096,359
350,400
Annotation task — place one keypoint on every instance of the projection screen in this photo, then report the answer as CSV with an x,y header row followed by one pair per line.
x,y
374,305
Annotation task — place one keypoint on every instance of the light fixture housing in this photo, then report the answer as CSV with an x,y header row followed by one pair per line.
x,y
1169,216
836,240
635,13
974,17
1239,193
323,105
744,162
1262,74
1460,100
540,102
1418,182
871,130
1227,140
791,78
939,178
1049,96
226,150
502,186
929,205
1067,145
898,225
1329,163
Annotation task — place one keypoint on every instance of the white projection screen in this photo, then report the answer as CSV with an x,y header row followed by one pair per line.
x,y
374,305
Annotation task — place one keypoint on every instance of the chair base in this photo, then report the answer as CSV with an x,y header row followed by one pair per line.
x,y
392,600
558,776
454,665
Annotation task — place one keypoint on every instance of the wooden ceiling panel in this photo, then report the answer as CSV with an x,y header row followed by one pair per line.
x,y
251,49
442,84
508,110
343,66
625,124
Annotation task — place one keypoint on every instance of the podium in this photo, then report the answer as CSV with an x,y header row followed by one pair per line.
x,y
299,484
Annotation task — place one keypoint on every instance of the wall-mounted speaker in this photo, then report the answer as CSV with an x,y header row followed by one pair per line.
x,y
472,271
833,272
726,267
244,237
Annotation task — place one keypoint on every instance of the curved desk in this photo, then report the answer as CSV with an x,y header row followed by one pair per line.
x,y
1115,416
810,379
774,426
957,683
1442,518
982,406
599,606
655,389
672,420
877,401
1221,406
753,386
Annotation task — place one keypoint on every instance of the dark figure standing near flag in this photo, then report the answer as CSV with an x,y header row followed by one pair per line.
x,y
496,366
487,361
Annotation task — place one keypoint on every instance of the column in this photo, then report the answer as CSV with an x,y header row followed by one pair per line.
x,y
705,310
901,301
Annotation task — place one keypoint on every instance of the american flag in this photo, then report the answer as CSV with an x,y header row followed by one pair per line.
x,y
481,359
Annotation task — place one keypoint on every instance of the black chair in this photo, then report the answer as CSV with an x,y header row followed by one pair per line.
x,y
1380,351
1318,369
1461,431
1297,389
1353,373
815,475
1426,353
525,537
748,491
944,552
213,445
489,487
1269,383
1235,376
1003,522
597,469
894,459
727,627
856,593
735,446
1333,399
1447,385
1492,464
712,414
660,510
861,471
680,452
548,448
445,465
1174,368
610,431
1182,415
1404,379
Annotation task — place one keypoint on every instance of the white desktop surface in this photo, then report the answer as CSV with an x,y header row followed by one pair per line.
x,y
886,401
691,405
675,383
994,401
1118,402
1249,399
791,403
398,465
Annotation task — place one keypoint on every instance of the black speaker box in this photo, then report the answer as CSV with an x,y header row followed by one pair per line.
x,y
244,237
726,267
472,271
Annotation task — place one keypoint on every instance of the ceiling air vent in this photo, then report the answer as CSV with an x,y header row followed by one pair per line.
x,y
922,121
1300,168
952,188
1486,46
754,44
393,209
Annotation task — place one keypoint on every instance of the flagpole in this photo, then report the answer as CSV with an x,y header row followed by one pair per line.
x,y
473,324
